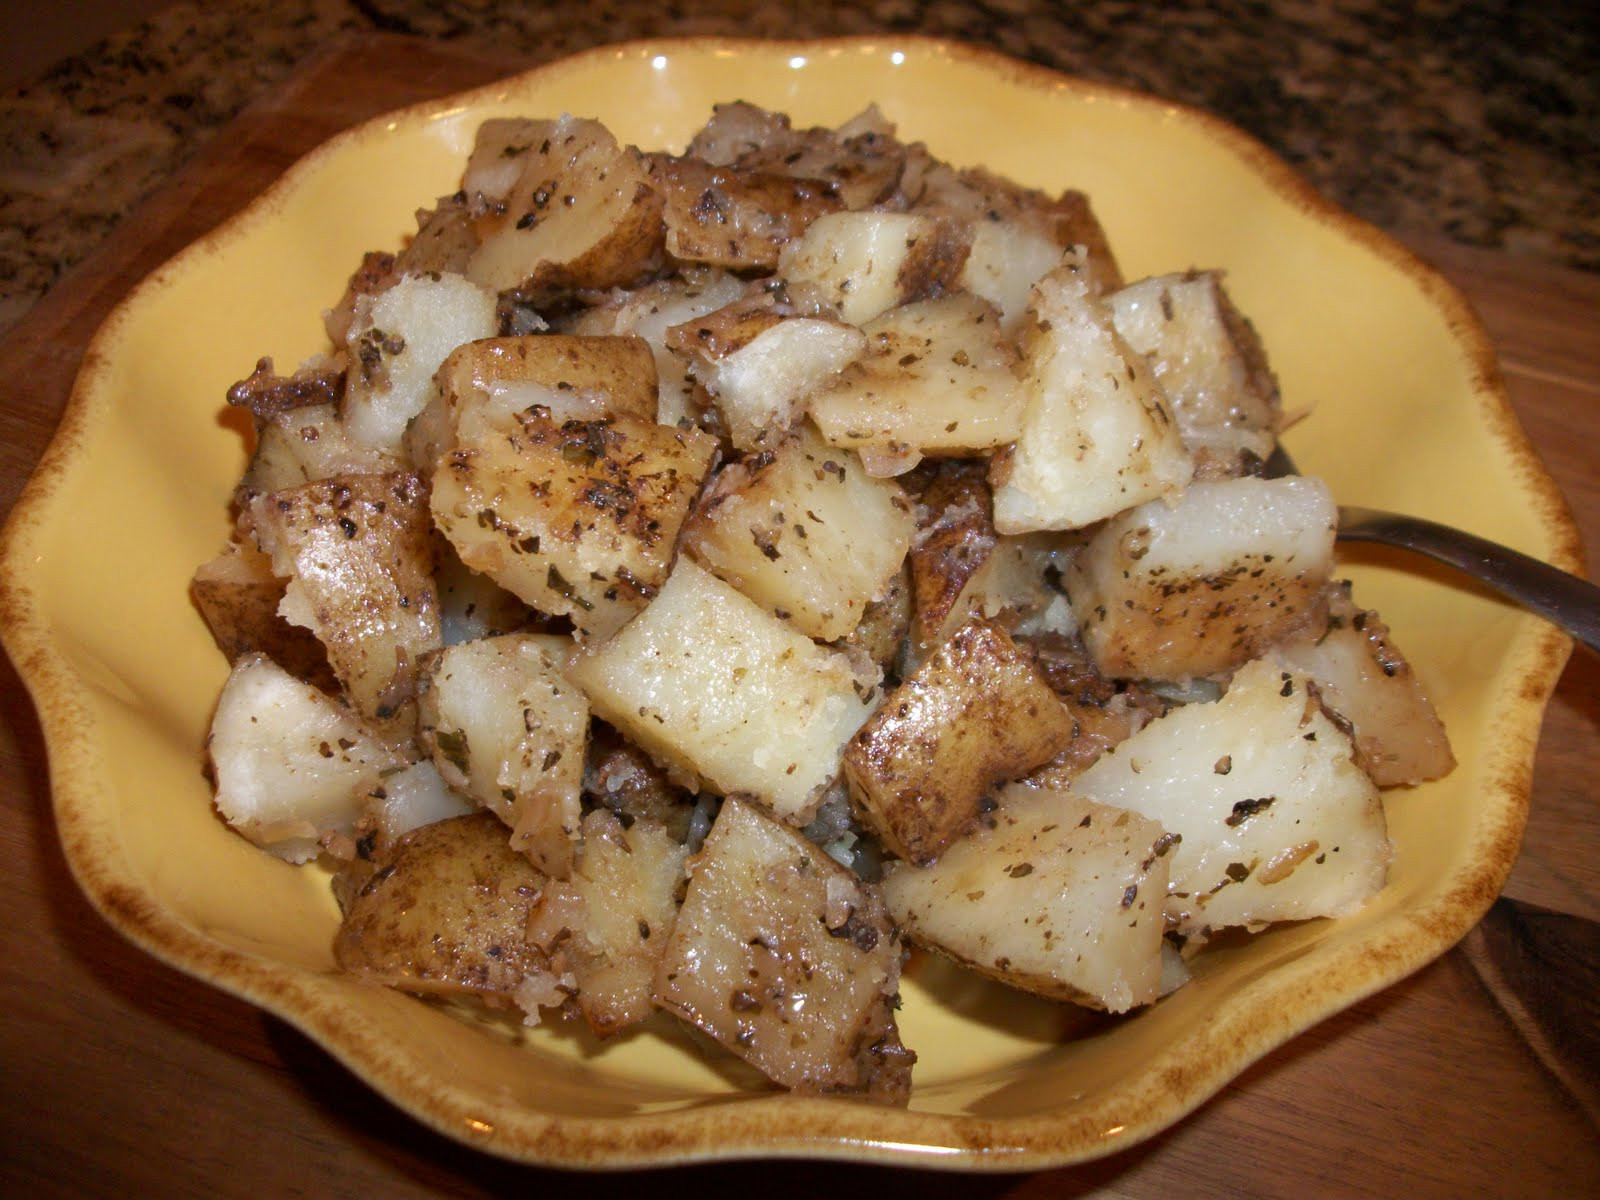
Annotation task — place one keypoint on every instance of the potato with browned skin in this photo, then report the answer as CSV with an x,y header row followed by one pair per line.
x,y
484,384
731,217
581,212
238,595
788,960
578,518
978,712
357,553
444,911
1369,687
1175,591
861,161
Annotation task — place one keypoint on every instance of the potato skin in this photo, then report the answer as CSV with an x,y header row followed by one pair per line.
x,y
359,551
788,960
976,713
444,911
238,595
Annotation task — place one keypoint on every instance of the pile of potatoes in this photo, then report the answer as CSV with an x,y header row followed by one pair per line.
x,y
688,581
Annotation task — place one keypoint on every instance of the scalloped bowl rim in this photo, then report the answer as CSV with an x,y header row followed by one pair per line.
x,y
1249,1023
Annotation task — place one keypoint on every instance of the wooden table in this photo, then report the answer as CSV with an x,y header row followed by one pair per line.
x,y
120,1076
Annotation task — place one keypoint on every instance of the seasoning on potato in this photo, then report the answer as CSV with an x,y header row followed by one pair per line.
x,y
685,583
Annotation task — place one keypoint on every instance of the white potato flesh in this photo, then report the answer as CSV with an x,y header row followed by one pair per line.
x,y
1098,434
610,922
805,533
305,444
582,212
1175,591
1053,893
859,259
1277,822
782,955
413,797
1006,261
1362,677
759,387
292,764
938,378
706,681
499,153
397,342
1206,358
655,308
505,726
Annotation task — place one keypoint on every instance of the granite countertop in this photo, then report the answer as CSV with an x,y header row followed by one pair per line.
x,y
1474,120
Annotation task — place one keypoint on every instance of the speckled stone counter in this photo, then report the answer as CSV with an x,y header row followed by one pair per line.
x,y
1477,121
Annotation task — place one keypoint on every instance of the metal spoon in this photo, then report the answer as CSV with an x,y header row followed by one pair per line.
x,y
1565,600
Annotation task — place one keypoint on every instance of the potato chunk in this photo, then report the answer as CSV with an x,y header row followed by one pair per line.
x,y
649,312
357,553
804,532
865,263
1367,683
582,212
292,764
302,445
1053,894
487,382
787,959
238,595
860,160
443,911
1209,362
706,681
1176,591
961,566
759,358
1277,822
976,713
609,923
733,218
1098,434
503,725
396,343
938,378
577,518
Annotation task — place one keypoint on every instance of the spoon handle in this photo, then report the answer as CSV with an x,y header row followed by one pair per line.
x,y
1566,600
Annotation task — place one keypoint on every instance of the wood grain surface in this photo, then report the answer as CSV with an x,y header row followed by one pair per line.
x,y
122,1077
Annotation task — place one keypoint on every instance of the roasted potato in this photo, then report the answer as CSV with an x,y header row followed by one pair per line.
x,y
788,960
977,713
706,681
357,554
444,911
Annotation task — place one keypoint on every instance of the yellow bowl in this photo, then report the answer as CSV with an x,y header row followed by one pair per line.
x,y
1407,413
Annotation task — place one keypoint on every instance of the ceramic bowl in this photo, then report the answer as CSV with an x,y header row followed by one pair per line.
x,y
1405,411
